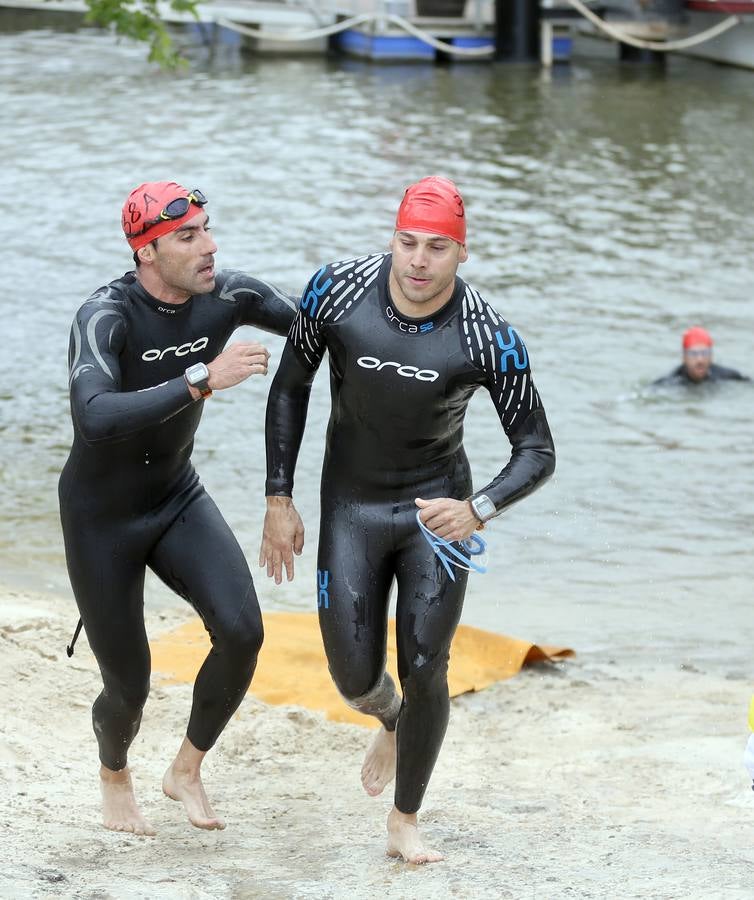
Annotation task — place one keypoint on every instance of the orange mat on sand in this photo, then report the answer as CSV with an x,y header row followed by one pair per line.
x,y
292,668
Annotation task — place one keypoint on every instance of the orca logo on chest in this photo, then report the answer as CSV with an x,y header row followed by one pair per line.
x,y
181,350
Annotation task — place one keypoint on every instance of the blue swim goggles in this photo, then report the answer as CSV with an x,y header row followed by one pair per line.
x,y
449,554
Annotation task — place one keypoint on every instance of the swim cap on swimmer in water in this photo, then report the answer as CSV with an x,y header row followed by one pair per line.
x,y
696,335
146,215
433,205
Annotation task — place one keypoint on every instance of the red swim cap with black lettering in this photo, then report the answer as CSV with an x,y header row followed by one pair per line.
x,y
433,205
145,203
696,335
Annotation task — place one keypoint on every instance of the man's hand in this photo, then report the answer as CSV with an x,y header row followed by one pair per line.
x,y
236,363
282,536
453,520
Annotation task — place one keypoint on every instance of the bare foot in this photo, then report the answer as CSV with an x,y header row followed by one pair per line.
x,y
183,782
379,763
119,809
404,840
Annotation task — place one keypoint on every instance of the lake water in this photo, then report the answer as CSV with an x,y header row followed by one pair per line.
x,y
609,207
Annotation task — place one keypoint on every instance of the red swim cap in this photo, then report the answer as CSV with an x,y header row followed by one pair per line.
x,y
145,203
696,335
433,205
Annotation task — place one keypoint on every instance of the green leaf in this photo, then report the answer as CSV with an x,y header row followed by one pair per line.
x,y
142,22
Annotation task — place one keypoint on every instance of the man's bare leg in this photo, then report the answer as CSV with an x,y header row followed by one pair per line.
x,y
379,763
119,809
404,840
183,782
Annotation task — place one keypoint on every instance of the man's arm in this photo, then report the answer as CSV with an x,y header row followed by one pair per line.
x,y
725,374
509,380
287,404
531,463
105,413
261,304
505,363
100,409
674,377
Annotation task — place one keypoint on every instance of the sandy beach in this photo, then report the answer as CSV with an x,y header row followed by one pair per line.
x,y
574,779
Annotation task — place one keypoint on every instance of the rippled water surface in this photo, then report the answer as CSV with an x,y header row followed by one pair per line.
x,y
609,208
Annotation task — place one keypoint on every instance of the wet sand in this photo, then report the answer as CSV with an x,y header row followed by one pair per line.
x,y
577,779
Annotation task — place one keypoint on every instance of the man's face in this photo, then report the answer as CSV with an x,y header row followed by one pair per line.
x,y
697,358
183,260
425,265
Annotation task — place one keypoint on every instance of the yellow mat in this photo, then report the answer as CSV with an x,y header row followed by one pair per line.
x,y
292,668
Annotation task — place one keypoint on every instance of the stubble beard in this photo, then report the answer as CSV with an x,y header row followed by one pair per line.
x,y
422,295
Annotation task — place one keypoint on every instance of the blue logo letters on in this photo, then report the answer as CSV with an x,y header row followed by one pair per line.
x,y
310,301
510,351
323,579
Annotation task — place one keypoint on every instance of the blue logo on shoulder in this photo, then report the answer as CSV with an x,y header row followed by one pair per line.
x,y
427,326
311,300
511,351
323,580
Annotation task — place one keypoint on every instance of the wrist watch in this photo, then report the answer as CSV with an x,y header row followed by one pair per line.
x,y
483,507
198,376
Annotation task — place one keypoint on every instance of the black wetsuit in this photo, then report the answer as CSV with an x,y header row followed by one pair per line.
x,y
130,497
680,375
400,388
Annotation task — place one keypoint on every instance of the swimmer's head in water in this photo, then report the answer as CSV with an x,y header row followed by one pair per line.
x,y
157,208
433,205
697,352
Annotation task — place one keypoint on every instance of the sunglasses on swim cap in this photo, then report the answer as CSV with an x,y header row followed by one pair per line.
x,y
174,210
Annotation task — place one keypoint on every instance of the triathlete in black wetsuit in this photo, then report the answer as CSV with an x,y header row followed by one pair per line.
x,y
697,365
409,343
129,495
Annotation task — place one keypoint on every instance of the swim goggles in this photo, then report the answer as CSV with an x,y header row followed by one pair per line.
x,y
174,210
449,554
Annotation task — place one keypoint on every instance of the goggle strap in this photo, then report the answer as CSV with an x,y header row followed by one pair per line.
x,y
450,555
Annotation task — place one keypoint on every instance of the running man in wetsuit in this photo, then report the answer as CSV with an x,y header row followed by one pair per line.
x,y
697,365
409,343
146,353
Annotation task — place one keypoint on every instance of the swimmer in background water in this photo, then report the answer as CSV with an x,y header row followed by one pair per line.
x,y
147,351
409,343
697,365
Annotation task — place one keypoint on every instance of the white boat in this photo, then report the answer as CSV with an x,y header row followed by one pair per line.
x,y
734,47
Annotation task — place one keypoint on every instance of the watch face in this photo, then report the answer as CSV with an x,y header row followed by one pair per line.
x,y
484,507
196,373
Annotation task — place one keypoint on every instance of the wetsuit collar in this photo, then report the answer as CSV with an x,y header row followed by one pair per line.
x,y
408,324
169,310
